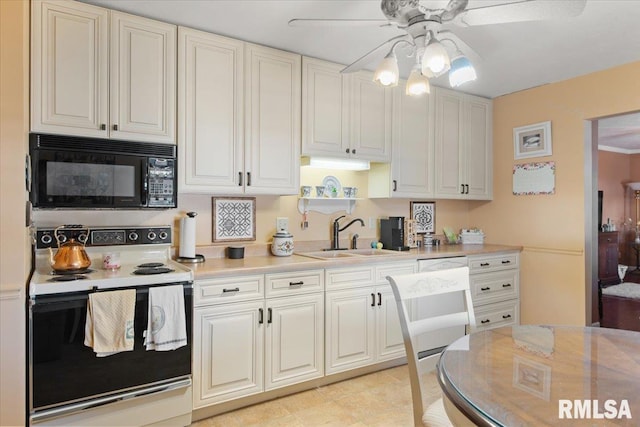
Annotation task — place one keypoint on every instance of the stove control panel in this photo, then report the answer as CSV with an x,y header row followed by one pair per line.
x,y
103,236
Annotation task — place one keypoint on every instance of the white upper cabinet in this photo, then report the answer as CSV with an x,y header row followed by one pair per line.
x,y
369,118
239,116
142,79
210,112
463,146
272,120
102,73
324,119
344,116
410,173
69,68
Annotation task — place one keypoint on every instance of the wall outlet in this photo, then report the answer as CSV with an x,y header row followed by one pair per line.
x,y
282,223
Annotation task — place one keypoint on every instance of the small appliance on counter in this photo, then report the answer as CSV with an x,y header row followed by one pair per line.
x,y
392,233
282,244
187,250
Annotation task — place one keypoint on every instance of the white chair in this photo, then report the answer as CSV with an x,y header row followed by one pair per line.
x,y
422,357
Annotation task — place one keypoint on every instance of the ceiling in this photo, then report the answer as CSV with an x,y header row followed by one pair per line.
x,y
512,57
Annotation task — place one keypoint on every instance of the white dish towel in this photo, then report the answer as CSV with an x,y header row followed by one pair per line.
x,y
109,325
167,325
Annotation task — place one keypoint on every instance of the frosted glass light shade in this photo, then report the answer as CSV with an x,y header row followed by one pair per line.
x,y
417,84
435,59
387,73
461,72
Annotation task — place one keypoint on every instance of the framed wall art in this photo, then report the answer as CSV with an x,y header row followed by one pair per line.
x,y
234,219
424,215
532,141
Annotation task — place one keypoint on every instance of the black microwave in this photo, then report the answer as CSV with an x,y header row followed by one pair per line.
x,y
92,173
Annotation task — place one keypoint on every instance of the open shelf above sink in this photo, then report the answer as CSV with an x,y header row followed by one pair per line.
x,y
326,205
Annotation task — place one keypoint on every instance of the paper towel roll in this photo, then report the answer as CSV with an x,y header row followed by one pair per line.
x,y
188,236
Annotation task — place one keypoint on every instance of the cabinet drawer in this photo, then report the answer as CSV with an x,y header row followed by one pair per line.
x,y
302,282
229,289
497,315
395,269
344,278
494,287
493,263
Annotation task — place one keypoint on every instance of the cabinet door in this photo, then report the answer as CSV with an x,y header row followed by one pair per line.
x,y
412,145
228,349
478,163
369,118
389,339
323,109
350,326
294,350
210,113
69,69
272,121
448,140
142,79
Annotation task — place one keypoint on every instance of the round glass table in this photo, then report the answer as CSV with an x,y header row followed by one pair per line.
x,y
544,375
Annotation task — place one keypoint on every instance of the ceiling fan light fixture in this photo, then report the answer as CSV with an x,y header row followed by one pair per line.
x,y
462,71
417,84
387,73
435,59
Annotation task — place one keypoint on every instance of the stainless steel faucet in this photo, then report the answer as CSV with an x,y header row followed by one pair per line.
x,y
335,245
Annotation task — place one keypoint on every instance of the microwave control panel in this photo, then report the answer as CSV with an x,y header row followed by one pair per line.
x,y
162,181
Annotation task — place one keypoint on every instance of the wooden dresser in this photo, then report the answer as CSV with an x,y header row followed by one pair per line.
x,y
608,254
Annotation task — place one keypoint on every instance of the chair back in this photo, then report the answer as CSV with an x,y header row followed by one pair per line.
x,y
417,324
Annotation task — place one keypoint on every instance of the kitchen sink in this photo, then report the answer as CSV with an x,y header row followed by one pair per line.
x,y
346,253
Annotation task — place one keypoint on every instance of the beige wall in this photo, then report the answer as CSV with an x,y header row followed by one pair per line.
x,y
551,227
14,246
614,172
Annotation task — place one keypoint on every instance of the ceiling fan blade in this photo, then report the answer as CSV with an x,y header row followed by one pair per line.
x,y
377,53
338,23
528,10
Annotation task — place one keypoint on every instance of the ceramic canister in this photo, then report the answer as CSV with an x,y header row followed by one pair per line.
x,y
282,244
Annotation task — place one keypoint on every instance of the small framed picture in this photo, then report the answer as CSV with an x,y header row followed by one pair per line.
x,y
234,219
532,141
424,215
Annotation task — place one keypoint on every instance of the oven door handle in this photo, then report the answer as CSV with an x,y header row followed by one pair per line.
x,y
94,403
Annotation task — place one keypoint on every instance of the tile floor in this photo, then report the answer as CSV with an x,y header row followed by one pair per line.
x,y
379,399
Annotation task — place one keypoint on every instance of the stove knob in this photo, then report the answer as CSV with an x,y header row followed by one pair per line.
x,y
151,236
46,239
82,238
133,236
163,235
62,238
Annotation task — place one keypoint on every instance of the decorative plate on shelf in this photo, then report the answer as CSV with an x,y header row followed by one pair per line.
x,y
331,184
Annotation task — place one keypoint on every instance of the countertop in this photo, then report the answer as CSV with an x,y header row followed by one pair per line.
x,y
263,263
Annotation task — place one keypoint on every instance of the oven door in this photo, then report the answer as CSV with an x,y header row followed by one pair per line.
x,y
64,372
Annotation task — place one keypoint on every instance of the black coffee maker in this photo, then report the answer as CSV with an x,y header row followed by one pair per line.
x,y
392,233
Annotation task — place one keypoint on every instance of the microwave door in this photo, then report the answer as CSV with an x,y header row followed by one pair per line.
x,y
128,182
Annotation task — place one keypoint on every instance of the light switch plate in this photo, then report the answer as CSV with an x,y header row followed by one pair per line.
x,y
282,223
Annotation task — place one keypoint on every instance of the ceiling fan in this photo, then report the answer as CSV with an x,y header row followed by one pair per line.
x,y
427,30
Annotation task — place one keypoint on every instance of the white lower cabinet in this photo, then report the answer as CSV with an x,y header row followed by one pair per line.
x,y
245,344
362,323
495,289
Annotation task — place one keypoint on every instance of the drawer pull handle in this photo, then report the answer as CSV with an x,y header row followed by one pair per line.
x,y
485,289
260,316
300,283
379,299
240,179
484,264
506,261
373,300
269,315
506,285
485,321
506,316
225,290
